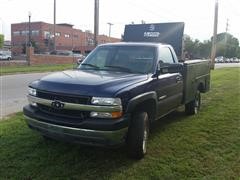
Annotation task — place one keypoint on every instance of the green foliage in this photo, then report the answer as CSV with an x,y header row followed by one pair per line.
x,y
227,46
238,52
196,48
205,146
1,40
34,44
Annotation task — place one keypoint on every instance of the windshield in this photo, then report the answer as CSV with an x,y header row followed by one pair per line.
x,y
132,59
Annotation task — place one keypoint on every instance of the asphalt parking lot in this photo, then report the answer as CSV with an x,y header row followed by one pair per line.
x,y
14,90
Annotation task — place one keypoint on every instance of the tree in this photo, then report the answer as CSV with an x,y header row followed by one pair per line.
x,y
227,45
238,52
1,40
196,48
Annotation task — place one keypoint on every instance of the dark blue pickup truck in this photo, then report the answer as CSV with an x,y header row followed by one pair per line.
x,y
117,92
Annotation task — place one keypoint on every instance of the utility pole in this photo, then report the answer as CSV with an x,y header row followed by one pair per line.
x,y
214,40
227,24
54,26
96,22
2,26
29,29
29,38
225,38
109,32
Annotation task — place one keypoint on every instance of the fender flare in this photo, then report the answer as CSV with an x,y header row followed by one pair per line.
x,y
152,95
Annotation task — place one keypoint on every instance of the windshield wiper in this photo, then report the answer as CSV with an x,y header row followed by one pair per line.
x,y
120,67
91,65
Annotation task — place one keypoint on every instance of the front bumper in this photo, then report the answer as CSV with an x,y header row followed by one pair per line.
x,y
91,131
78,135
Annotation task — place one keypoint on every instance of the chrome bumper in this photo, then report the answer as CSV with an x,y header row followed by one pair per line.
x,y
83,136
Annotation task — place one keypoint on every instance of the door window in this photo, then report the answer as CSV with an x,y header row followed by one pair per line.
x,y
165,56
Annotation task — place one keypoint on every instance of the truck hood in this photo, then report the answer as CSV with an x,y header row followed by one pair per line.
x,y
88,82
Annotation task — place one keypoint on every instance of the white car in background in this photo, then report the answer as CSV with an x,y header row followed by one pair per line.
x,y
5,55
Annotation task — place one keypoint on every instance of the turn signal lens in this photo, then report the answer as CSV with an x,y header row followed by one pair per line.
x,y
108,115
116,114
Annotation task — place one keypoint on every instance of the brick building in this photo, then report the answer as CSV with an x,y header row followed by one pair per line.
x,y
67,38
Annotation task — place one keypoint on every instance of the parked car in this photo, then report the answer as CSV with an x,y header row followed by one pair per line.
x,y
235,60
5,55
219,59
62,53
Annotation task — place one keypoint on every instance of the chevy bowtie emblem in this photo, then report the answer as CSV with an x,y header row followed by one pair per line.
x,y
57,104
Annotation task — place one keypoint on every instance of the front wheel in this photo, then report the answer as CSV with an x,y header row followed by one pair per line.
x,y
138,135
193,107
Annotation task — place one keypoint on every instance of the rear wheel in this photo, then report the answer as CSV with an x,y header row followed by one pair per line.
x,y
8,58
138,135
193,107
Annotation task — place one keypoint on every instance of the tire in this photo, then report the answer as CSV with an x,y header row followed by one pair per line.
x,y
8,58
138,135
193,107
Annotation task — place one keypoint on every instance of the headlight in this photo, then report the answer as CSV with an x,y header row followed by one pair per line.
x,y
32,92
106,101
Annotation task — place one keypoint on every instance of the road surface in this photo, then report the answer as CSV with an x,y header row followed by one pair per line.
x,y
224,65
13,90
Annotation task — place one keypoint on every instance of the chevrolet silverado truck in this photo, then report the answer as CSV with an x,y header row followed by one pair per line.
x,y
115,94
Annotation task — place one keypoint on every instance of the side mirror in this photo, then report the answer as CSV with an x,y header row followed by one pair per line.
x,y
158,71
172,68
80,60
168,68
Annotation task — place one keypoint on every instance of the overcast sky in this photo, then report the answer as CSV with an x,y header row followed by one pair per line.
x,y
197,14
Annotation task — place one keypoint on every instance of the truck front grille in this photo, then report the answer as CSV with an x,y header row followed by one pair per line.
x,y
64,114
70,114
63,97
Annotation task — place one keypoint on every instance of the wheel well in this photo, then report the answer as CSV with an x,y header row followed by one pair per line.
x,y
148,106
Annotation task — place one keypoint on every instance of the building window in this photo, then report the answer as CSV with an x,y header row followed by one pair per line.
x,y
90,41
76,36
58,34
24,33
16,33
35,32
46,34
67,35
